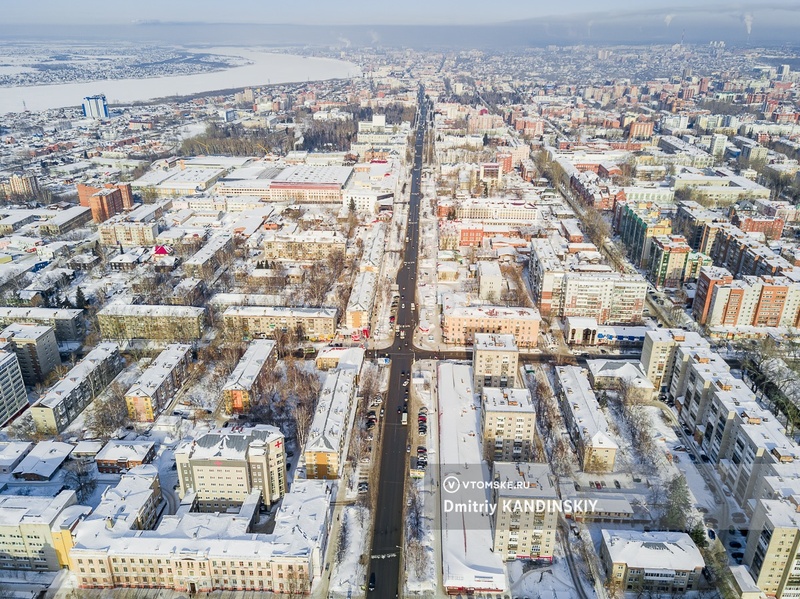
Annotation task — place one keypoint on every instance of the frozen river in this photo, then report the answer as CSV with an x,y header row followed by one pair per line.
x,y
266,68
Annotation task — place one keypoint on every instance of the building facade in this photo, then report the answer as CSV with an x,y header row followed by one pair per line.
x,y
254,457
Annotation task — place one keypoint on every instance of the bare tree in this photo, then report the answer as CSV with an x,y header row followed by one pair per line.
x,y
109,413
79,477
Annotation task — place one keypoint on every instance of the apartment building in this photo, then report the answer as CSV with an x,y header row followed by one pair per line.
x,y
247,381
36,349
755,301
658,353
254,458
296,244
86,192
141,321
772,552
155,387
638,223
690,221
328,435
118,457
24,185
66,220
198,552
658,562
358,313
520,529
73,393
128,234
708,279
68,323
13,395
462,324
570,280
610,298
495,361
36,532
585,421
316,324
669,256
508,424
490,281
215,253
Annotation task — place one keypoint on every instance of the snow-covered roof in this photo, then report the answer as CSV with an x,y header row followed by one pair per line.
x,y
280,311
623,370
93,360
149,311
534,478
16,510
44,459
159,370
493,342
12,451
514,312
300,524
124,451
497,399
467,559
250,365
659,551
230,443
580,400
331,421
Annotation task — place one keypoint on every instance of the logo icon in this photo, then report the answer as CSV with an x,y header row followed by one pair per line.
x,y
451,484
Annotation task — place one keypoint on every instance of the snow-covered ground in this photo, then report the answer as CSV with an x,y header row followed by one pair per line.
x,y
349,569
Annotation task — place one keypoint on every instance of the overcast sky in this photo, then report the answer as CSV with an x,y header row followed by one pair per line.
x,y
354,11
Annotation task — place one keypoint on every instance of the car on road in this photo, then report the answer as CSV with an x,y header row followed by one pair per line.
x,y
408,448
705,458
737,555
617,485
711,534
735,545
372,582
692,457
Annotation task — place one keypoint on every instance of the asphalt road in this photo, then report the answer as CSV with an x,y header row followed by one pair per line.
x,y
388,529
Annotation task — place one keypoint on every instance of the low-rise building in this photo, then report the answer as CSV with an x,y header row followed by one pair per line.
x,y
358,313
296,244
216,252
66,220
461,325
43,461
199,552
254,456
36,532
262,321
151,392
585,421
68,323
172,323
70,396
508,424
120,456
661,562
330,428
247,381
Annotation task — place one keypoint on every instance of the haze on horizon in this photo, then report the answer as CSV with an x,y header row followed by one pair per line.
x,y
418,23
